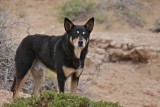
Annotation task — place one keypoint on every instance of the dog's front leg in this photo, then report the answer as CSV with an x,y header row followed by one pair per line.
x,y
61,82
74,81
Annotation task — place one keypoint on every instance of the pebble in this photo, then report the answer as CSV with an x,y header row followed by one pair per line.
x,y
149,92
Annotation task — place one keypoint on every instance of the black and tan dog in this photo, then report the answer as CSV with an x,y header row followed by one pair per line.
x,y
64,55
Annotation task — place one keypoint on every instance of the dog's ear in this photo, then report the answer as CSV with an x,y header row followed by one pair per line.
x,y
68,24
89,25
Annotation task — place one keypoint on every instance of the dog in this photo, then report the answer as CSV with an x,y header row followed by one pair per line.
x,y
65,55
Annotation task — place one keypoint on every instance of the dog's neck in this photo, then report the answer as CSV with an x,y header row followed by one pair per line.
x,y
77,52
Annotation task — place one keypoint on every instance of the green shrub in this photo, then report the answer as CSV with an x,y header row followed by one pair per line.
x,y
104,17
101,17
76,9
133,18
52,99
21,14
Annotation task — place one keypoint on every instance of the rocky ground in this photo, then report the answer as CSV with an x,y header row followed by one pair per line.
x,y
133,83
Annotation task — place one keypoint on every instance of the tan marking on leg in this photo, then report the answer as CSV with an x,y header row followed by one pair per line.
x,y
38,81
38,76
19,84
85,41
78,73
74,85
68,71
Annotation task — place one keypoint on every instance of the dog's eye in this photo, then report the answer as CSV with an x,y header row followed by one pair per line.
x,y
84,34
75,34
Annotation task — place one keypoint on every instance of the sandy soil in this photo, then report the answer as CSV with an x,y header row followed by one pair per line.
x,y
130,84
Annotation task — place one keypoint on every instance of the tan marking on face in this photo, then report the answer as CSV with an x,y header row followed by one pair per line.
x,y
71,41
83,33
68,71
77,31
75,42
77,50
87,41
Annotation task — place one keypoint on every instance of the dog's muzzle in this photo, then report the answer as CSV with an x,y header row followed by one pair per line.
x,y
80,43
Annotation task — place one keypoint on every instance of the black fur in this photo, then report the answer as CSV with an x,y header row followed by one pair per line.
x,y
52,51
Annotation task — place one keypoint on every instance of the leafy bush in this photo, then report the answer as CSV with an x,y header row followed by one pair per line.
x,y
105,11
120,11
51,99
76,9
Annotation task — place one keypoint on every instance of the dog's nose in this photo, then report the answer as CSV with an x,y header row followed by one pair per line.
x,y
80,43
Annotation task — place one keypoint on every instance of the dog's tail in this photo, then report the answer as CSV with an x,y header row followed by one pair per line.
x,y
13,85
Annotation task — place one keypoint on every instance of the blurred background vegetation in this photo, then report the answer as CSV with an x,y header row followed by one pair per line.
x,y
112,13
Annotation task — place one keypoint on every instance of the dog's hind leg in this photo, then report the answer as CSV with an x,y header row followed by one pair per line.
x,y
13,85
23,62
37,72
17,85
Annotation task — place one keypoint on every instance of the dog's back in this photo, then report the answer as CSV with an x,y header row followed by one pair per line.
x,y
36,46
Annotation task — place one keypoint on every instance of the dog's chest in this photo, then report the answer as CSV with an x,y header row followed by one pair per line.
x,y
68,71
74,68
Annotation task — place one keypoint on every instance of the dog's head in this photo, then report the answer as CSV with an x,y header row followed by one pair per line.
x,y
78,35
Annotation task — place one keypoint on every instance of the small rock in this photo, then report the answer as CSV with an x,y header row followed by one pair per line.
x,y
149,92
158,91
124,47
108,97
150,105
118,45
100,51
112,44
103,46
106,58
130,46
